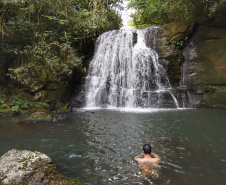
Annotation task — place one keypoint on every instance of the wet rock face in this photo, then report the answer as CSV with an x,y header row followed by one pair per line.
x,y
26,167
204,68
156,39
134,38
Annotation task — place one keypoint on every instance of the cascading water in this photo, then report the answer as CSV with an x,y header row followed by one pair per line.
x,y
126,73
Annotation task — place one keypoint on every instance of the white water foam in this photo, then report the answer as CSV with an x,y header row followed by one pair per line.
x,y
136,110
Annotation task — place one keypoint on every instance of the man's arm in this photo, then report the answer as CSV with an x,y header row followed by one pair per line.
x,y
156,157
137,157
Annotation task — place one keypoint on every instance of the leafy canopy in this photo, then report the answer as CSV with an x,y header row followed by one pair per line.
x,y
49,34
158,12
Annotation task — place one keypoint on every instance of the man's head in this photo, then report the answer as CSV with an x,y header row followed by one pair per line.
x,y
147,149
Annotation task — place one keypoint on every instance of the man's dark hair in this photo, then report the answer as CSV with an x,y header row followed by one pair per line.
x,y
147,149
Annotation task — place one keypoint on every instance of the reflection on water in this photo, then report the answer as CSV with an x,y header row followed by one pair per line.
x,y
99,147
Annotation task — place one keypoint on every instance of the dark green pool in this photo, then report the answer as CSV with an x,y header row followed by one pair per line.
x,y
98,148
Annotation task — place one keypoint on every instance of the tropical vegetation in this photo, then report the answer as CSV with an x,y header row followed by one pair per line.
x,y
159,12
45,41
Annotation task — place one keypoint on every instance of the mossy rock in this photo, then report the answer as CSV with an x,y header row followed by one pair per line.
x,y
26,167
204,68
215,100
6,112
55,94
52,77
55,86
41,95
37,80
212,62
174,67
5,106
210,44
61,108
40,116
176,31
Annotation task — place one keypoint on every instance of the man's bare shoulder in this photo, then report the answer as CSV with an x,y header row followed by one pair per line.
x,y
139,160
156,160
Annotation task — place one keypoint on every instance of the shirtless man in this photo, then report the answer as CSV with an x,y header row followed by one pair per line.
x,y
148,164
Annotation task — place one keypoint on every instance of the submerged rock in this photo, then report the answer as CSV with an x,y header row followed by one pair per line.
x,y
42,116
26,167
58,117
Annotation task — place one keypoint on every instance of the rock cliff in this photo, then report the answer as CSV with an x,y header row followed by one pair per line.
x,y
204,67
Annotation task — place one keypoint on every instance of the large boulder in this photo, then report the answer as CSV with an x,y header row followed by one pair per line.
x,y
26,167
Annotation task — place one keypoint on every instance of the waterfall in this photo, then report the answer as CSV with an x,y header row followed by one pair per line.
x,y
124,72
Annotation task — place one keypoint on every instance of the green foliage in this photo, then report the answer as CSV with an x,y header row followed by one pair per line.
x,y
15,108
47,36
4,106
51,58
179,43
43,41
155,12
59,20
43,105
17,103
2,98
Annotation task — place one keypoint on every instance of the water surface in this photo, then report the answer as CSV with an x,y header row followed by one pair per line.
x,y
99,147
